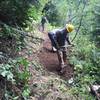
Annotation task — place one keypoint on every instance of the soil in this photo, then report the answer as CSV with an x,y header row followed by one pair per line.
x,y
50,60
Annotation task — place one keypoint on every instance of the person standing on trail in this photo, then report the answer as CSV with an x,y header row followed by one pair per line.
x,y
58,39
43,21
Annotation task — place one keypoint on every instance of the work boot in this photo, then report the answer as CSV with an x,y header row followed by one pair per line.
x,y
63,68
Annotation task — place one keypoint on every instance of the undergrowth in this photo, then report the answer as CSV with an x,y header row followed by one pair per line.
x,y
86,60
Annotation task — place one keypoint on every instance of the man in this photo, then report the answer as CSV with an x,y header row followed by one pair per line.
x,y
58,39
43,21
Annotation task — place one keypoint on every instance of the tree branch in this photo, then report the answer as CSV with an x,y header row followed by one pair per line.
x,y
79,23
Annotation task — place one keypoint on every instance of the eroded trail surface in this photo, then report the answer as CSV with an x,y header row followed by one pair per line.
x,y
50,60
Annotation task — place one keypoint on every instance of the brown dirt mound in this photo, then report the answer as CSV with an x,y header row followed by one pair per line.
x,y
50,60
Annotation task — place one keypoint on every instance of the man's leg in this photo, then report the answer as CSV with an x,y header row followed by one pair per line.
x,y
52,42
42,27
60,58
64,55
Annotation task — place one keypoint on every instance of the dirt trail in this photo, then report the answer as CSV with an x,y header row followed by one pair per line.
x,y
50,60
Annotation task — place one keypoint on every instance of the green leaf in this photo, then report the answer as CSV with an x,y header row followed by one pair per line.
x,y
4,73
26,92
9,76
16,98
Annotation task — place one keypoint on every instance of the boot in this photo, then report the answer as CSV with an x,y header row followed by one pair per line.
x,y
62,69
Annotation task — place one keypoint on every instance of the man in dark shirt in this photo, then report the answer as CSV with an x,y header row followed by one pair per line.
x,y
58,39
43,21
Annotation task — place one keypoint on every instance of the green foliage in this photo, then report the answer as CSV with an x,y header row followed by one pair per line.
x,y
17,12
26,92
14,12
51,12
13,35
82,93
14,66
24,75
86,63
6,71
85,56
60,12
96,31
8,31
33,13
16,71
